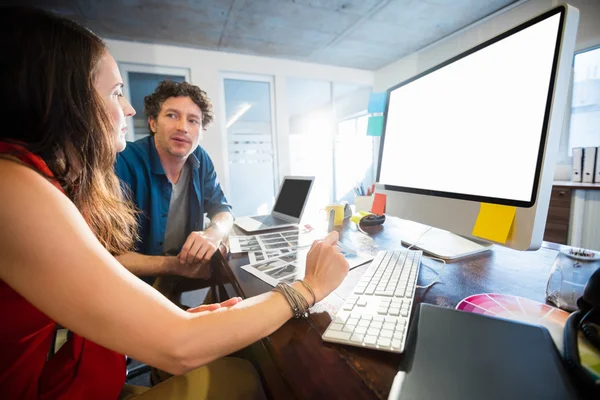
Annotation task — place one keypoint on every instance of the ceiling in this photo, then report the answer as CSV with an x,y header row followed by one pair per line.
x,y
366,34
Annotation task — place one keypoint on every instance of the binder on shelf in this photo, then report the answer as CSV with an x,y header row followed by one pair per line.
x,y
589,163
597,175
577,164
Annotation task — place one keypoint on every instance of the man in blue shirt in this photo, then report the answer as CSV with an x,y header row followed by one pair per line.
x,y
172,181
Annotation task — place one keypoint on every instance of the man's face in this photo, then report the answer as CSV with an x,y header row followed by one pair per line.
x,y
178,128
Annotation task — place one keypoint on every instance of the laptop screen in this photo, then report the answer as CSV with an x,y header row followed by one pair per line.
x,y
292,197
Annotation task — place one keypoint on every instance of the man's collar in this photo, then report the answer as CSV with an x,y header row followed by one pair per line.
x,y
156,165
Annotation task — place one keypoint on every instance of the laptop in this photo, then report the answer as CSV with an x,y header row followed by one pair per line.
x,y
288,208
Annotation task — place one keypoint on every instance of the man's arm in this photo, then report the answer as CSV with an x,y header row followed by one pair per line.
x,y
200,246
220,225
143,265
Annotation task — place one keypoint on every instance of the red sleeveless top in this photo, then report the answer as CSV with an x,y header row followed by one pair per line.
x,y
81,369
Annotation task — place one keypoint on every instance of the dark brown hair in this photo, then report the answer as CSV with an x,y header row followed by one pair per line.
x,y
167,89
50,105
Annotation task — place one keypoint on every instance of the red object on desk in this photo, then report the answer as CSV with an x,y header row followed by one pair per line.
x,y
378,204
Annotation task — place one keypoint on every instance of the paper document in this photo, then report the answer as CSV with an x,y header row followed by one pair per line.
x,y
291,239
291,266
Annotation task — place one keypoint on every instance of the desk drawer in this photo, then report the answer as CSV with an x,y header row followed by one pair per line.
x,y
559,211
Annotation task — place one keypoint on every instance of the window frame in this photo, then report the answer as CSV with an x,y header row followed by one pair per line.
x,y
563,153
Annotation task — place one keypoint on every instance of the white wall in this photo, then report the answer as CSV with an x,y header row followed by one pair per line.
x,y
206,68
588,35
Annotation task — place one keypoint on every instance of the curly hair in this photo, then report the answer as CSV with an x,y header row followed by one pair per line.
x,y
167,89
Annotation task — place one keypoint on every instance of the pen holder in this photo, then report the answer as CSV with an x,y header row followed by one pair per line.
x,y
363,203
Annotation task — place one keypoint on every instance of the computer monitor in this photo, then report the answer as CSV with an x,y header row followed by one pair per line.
x,y
482,127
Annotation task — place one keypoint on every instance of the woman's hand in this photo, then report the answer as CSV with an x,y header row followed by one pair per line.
x,y
212,307
326,267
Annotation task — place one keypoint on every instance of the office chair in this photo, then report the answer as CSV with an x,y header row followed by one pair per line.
x,y
135,371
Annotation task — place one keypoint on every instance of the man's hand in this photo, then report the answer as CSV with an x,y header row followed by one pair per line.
x,y
198,248
195,270
212,307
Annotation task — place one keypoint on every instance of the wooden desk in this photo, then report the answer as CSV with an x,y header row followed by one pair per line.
x,y
312,369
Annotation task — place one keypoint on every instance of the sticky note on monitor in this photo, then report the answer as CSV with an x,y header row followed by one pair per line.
x,y
378,206
377,102
375,126
494,222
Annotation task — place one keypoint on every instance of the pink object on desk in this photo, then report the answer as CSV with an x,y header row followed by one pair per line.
x,y
378,203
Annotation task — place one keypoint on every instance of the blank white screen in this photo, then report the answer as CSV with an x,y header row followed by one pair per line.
x,y
474,126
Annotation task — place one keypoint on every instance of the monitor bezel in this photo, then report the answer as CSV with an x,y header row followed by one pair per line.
x,y
494,200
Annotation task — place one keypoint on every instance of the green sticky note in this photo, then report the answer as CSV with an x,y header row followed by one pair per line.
x,y
375,126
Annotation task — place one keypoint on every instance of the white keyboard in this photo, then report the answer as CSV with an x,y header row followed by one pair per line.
x,y
376,316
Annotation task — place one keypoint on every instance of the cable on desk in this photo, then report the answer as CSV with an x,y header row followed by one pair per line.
x,y
438,274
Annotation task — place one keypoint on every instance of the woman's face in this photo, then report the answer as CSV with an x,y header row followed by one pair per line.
x,y
109,86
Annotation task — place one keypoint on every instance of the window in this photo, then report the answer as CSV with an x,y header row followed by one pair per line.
x,y
328,138
353,157
140,81
250,132
584,129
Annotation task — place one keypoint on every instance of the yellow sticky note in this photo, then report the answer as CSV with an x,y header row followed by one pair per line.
x,y
494,222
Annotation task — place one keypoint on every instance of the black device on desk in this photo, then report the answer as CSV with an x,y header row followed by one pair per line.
x,y
454,354
586,320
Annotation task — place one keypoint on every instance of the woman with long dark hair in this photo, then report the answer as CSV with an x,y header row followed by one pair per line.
x,y
62,221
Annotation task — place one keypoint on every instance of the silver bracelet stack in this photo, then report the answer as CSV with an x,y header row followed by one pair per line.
x,y
298,303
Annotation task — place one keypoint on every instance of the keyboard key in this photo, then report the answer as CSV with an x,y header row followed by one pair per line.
x,y
356,338
370,339
355,314
396,344
341,317
362,302
348,328
394,311
336,327
363,323
359,290
352,321
337,335
386,334
377,324
383,342
361,330
373,331
389,325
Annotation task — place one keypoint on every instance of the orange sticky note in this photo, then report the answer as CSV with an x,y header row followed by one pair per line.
x,y
378,206
494,222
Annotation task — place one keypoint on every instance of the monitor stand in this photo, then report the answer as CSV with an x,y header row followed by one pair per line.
x,y
438,242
